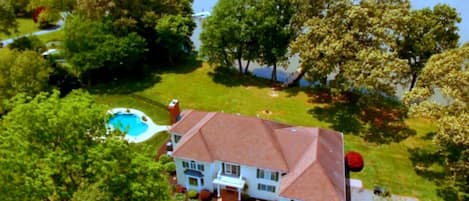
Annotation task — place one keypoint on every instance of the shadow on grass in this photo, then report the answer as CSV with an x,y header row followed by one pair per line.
x,y
376,119
430,165
188,65
231,78
148,77
126,85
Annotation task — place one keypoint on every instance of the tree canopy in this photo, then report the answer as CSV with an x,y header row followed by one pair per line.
x,y
228,35
428,32
355,42
22,72
56,148
90,45
8,21
447,73
247,30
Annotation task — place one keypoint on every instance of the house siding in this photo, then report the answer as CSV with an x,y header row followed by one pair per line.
x,y
248,173
182,178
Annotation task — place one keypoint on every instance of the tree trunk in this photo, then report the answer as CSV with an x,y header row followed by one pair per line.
x,y
274,73
414,80
247,67
240,65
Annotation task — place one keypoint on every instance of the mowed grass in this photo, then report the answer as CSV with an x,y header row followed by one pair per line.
x,y
202,89
25,26
53,36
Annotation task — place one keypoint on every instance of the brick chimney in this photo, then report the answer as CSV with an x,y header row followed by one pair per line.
x,y
174,111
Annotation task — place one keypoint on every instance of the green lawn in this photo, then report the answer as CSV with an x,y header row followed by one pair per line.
x,y
25,26
54,36
203,89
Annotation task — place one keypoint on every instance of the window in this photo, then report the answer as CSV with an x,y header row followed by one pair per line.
x,y
260,173
193,165
185,164
193,181
200,167
274,176
230,169
177,138
264,187
264,174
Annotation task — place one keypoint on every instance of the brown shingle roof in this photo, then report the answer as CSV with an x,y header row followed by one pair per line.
x,y
311,157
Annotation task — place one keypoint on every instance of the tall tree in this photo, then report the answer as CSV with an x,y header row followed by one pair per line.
x,y
275,33
8,21
427,32
22,72
173,32
56,148
447,73
355,42
91,45
230,33
142,17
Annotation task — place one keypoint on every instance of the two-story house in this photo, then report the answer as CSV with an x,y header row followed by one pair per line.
x,y
265,159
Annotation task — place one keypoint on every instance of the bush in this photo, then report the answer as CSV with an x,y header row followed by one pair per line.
x,y
192,194
180,197
28,43
180,189
204,195
170,167
165,159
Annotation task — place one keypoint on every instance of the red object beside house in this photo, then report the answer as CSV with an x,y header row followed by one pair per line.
x,y
36,13
354,161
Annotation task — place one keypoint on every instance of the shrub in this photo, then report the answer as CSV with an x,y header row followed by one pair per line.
x,y
180,189
170,167
165,159
204,195
28,43
180,197
192,194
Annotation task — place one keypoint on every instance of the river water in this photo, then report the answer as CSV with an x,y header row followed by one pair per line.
x,y
293,63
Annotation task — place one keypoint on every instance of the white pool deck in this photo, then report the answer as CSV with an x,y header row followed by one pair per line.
x,y
152,130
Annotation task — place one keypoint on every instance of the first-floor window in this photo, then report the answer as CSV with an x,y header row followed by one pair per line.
x,y
193,181
264,187
185,164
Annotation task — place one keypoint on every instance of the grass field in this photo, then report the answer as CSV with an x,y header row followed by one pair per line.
x,y
25,26
201,87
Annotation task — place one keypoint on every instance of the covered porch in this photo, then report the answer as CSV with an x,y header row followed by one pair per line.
x,y
229,183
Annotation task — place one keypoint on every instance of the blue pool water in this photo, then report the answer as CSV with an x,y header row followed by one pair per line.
x,y
128,123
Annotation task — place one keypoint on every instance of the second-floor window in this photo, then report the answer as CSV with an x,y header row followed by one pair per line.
x,y
231,169
264,174
193,165
177,138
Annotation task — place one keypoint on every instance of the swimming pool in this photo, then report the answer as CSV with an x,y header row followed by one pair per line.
x,y
130,124
136,125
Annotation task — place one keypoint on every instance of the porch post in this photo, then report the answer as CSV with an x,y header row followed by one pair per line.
x,y
218,190
239,194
